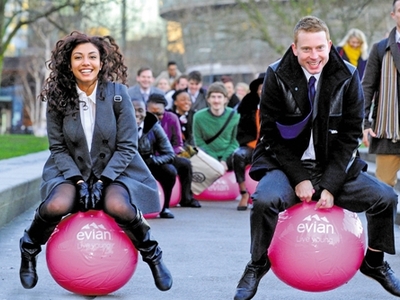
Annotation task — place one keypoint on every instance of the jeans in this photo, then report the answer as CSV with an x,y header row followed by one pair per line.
x,y
364,193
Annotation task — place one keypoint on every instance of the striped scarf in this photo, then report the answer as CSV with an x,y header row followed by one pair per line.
x,y
387,120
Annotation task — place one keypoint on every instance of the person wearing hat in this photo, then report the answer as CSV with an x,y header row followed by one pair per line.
x,y
170,123
247,135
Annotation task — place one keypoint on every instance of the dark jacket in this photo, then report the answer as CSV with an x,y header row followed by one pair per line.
x,y
371,85
186,122
201,101
247,127
113,154
154,146
337,125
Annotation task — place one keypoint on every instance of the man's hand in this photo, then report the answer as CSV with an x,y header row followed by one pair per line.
x,y
366,133
304,190
84,197
326,200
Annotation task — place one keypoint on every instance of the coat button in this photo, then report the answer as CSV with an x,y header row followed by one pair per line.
x,y
105,142
102,155
80,158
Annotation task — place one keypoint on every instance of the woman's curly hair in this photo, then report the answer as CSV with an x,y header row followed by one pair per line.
x,y
60,87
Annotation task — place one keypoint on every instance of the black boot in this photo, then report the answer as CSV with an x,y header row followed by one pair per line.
x,y
30,245
139,232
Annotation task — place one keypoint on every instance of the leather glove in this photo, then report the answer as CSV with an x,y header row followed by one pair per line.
x,y
96,192
84,196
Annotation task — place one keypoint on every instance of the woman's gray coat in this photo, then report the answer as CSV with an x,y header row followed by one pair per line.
x,y
114,152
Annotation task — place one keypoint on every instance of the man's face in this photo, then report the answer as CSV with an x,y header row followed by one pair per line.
x,y
312,50
217,101
140,111
395,14
156,108
145,79
194,86
172,70
230,89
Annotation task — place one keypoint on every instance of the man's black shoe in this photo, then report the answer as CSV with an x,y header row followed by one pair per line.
x,y
384,275
248,284
191,203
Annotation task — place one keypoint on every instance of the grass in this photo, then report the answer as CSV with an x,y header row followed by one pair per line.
x,y
13,145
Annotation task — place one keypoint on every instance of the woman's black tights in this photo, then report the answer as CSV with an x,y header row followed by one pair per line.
x,y
63,200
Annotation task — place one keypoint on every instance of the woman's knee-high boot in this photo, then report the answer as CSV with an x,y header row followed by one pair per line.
x,y
139,233
30,245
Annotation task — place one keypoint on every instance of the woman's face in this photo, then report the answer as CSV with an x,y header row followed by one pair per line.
x,y
354,42
183,103
163,85
140,111
85,65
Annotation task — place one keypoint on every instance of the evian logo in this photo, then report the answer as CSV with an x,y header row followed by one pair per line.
x,y
93,232
94,238
316,229
315,224
219,185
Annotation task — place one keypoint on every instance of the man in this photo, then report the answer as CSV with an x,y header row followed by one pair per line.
x,y
172,128
196,92
233,99
384,130
144,87
308,151
171,74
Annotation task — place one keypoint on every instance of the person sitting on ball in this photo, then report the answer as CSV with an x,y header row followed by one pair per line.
x,y
93,162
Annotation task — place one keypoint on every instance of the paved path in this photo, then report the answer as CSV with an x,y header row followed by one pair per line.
x,y
206,250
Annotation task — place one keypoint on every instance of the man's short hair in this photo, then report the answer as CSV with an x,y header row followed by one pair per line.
x,y
158,99
217,87
142,69
195,75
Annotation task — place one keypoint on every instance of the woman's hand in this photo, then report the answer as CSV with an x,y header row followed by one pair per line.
x,y
84,196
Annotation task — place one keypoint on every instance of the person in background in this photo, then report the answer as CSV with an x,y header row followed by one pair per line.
x,y
241,88
144,86
233,99
381,94
171,74
208,121
170,123
312,109
93,162
196,92
157,152
181,83
182,108
247,135
354,49
163,85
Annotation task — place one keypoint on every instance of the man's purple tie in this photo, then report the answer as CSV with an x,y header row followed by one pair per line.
x,y
311,89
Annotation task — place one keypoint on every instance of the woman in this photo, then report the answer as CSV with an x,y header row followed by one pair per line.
x,y
247,135
94,162
354,49
182,108
157,152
